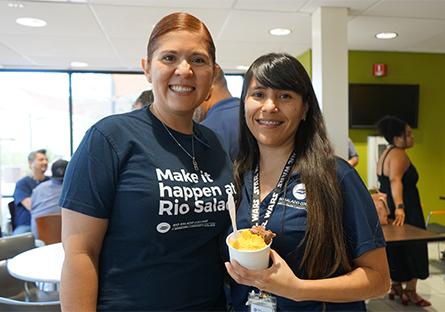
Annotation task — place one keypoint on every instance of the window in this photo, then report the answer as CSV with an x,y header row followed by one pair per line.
x,y
35,114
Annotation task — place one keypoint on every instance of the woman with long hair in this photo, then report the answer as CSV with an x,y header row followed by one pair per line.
x,y
398,178
328,252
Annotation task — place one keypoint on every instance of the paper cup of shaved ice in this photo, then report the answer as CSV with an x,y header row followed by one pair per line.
x,y
249,250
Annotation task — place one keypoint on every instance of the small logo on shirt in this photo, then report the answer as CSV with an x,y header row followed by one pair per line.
x,y
299,191
163,227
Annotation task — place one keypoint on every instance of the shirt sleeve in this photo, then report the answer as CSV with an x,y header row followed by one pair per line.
x,y
91,176
22,191
351,150
35,198
361,224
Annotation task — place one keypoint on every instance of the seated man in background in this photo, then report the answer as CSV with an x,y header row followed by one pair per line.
x,y
144,99
45,196
220,112
38,163
352,154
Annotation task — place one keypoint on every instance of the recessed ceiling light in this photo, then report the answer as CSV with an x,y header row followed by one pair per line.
x,y
78,64
280,31
16,5
30,22
386,35
242,67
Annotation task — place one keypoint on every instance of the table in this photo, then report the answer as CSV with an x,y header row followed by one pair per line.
x,y
407,234
42,264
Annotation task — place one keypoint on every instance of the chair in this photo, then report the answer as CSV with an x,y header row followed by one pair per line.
x,y
50,228
11,246
436,227
11,206
17,295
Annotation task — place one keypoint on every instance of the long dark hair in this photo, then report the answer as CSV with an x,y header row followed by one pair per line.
x,y
324,243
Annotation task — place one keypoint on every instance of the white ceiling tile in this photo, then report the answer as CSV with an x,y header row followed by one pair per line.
x,y
362,30
58,46
415,9
137,22
435,44
236,28
267,5
210,4
10,57
62,18
354,6
228,57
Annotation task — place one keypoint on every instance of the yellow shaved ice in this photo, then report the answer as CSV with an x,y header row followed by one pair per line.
x,y
248,241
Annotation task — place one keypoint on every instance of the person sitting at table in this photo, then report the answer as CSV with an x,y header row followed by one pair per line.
x,y
398,178
45,197
38,163
329,249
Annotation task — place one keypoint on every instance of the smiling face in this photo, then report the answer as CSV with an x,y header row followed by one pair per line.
x,y
181,72
273,115
39,165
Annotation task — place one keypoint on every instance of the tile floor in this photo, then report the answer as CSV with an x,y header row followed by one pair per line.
x,y
432,289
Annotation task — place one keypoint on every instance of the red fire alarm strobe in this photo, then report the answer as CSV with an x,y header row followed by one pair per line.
x,y
379,70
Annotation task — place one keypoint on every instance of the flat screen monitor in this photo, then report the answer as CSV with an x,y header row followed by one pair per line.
x,y
370,102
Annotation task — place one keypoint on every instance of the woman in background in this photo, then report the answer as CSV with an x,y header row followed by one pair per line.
x,y
329,250
398,178
145,193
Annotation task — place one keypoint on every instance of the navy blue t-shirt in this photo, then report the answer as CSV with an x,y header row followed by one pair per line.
x,y
223,118
23,189
289,220
161,249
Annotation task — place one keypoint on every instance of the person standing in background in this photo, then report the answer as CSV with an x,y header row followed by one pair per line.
x,y
144,195
398,178
352,154
143,100
45,197
220,112
38,163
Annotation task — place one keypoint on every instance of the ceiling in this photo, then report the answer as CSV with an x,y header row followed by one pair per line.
x,y
112,34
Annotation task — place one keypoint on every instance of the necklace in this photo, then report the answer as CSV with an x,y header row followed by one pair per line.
x,y
192,156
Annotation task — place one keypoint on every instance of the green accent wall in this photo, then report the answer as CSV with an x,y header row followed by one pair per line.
x,y
428,152
306,60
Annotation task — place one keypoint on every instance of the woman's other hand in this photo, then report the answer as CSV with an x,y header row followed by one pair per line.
x,y
399,217
277,279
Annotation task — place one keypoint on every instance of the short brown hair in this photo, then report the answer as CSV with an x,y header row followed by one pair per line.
x,y
33,154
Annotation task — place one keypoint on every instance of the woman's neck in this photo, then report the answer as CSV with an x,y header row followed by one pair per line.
x,y
180,122
273,157
272,162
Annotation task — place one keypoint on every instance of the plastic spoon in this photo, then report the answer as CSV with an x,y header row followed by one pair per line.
x,y
232,212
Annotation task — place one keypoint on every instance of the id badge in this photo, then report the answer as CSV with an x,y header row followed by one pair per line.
x,y
261,302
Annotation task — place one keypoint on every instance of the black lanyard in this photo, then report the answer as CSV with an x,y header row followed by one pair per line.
x,y
255,211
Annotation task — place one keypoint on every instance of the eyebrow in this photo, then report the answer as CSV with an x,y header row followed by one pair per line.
x,y
178,52
258,87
